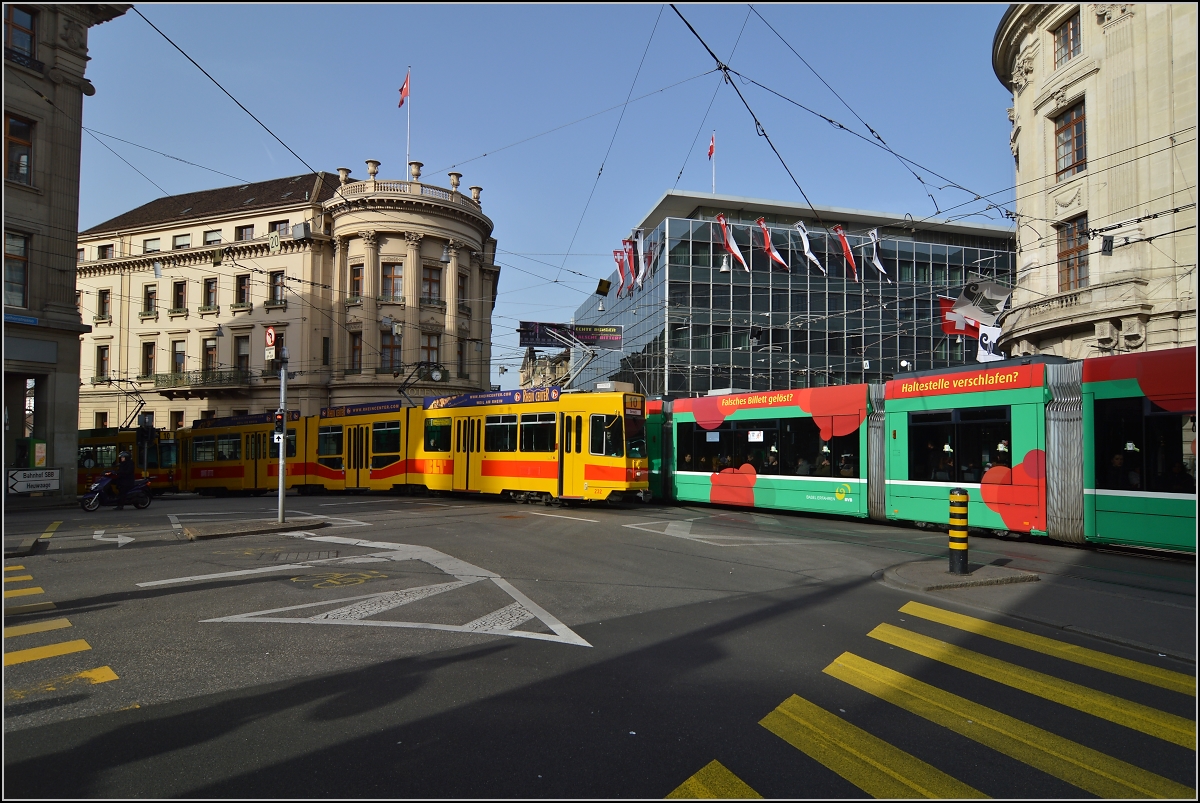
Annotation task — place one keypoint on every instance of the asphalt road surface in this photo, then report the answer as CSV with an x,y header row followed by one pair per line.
x,y
457,647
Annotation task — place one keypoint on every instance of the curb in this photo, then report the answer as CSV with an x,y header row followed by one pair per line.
x,y
995,576
882,579
24,549
195,535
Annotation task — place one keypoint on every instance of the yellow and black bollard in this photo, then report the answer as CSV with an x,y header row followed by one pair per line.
x,y
958,531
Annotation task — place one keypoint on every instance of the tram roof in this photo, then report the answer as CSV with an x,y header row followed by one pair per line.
x,y
1039,359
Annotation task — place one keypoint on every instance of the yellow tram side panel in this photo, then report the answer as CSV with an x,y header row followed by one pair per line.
x,y
239,458
354,448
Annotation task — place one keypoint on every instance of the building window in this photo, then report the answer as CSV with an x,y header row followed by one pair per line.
x,y
324,351
391,281
430,347
356,351
181,241
463,281
179,295
18,144
1066,41
241,348
148,358
16,269
210,292
277,286
104,304
19,31
1070,142
178,356
1073,254
104,252
431,284
150,298
78,254
243,288
356,281
206,415
462,361
210,354
152,245
243,233
176,419
212,237
100,420
389,351
280,226
101,362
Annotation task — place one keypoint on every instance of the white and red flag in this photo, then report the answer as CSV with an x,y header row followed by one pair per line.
x,y
875,255
630,260
803,232
404,90
847,252
619,256
769,247
712,145
647,257
955,323
730,245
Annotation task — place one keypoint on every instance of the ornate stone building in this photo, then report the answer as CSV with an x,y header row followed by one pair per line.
x,y
45,56
360,280
1104,141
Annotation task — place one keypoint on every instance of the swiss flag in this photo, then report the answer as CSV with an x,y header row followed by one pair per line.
x,y
955,323
404,91
712,146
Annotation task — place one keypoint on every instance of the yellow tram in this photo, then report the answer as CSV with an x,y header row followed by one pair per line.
x,y
530,445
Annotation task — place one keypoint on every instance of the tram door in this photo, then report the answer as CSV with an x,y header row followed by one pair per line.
x,y
468,446
571,466
257,459
358,461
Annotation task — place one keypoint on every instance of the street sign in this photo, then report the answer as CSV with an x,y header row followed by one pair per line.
x,y
270,337
277,437
270,352
23,481
273,242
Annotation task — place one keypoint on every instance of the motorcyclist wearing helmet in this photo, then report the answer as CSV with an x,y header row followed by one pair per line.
x,y
125,477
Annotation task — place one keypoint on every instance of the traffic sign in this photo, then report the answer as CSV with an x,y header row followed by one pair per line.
x,y
277,437
26,481
270,337
270,352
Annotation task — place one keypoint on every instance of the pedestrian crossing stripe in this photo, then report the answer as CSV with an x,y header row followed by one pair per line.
x,y
49,651
714,782
874,766
1090,770
91,677
23,592
35,627
1151,721
1135,670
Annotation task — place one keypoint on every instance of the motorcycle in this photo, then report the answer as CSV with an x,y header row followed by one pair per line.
x,y
103,492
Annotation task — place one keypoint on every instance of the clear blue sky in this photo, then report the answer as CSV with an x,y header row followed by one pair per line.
x,y
325,79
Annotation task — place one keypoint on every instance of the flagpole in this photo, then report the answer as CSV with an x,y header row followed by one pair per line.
x,y
408,134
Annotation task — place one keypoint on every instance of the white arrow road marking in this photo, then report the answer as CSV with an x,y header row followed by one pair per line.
x,y
557,516
683,529
499,622
120,540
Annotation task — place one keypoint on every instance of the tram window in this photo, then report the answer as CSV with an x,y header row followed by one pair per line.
x,y
607,436
685,458
1141,447
229,447
291,445
635,436
204,449
87,457
500,433
385,437
167,454
1166,470
383,460
568,431
147,455
437,435
537,432
959,445
329,447
578,434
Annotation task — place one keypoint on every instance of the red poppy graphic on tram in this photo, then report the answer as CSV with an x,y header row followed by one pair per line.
x,y
1167,378
837,410
1016,493
733,486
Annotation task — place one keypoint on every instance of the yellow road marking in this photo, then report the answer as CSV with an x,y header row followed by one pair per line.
x,y
50,530
713,781
36,627
20,578
101,674
49,651
13,568
1164,678
14,610
1169,727
874,766
1081,766
23,592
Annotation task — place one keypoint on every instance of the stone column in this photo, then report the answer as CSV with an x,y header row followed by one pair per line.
x,y
412,299
340,344
370,307
479,372
450,339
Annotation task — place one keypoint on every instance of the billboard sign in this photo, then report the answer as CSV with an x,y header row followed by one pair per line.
x,y
538,334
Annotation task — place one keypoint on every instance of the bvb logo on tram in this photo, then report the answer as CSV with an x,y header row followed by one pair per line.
x,y
843,493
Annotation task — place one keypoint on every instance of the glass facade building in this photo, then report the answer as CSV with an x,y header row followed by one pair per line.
x,y
695,327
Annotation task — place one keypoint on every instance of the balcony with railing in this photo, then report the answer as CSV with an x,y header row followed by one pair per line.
x,y
24,59
464,309
354,301
431,301
275,303
202,383
386,299
146,314
177,312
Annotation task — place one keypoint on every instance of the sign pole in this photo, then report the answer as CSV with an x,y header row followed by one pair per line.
x,y
283,366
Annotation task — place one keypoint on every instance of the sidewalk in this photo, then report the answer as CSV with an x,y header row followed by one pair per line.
x,y
1141,618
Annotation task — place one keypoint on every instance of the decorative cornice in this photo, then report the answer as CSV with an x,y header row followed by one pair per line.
x,y
190,257
1107,12
414,238
410,204
368,238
